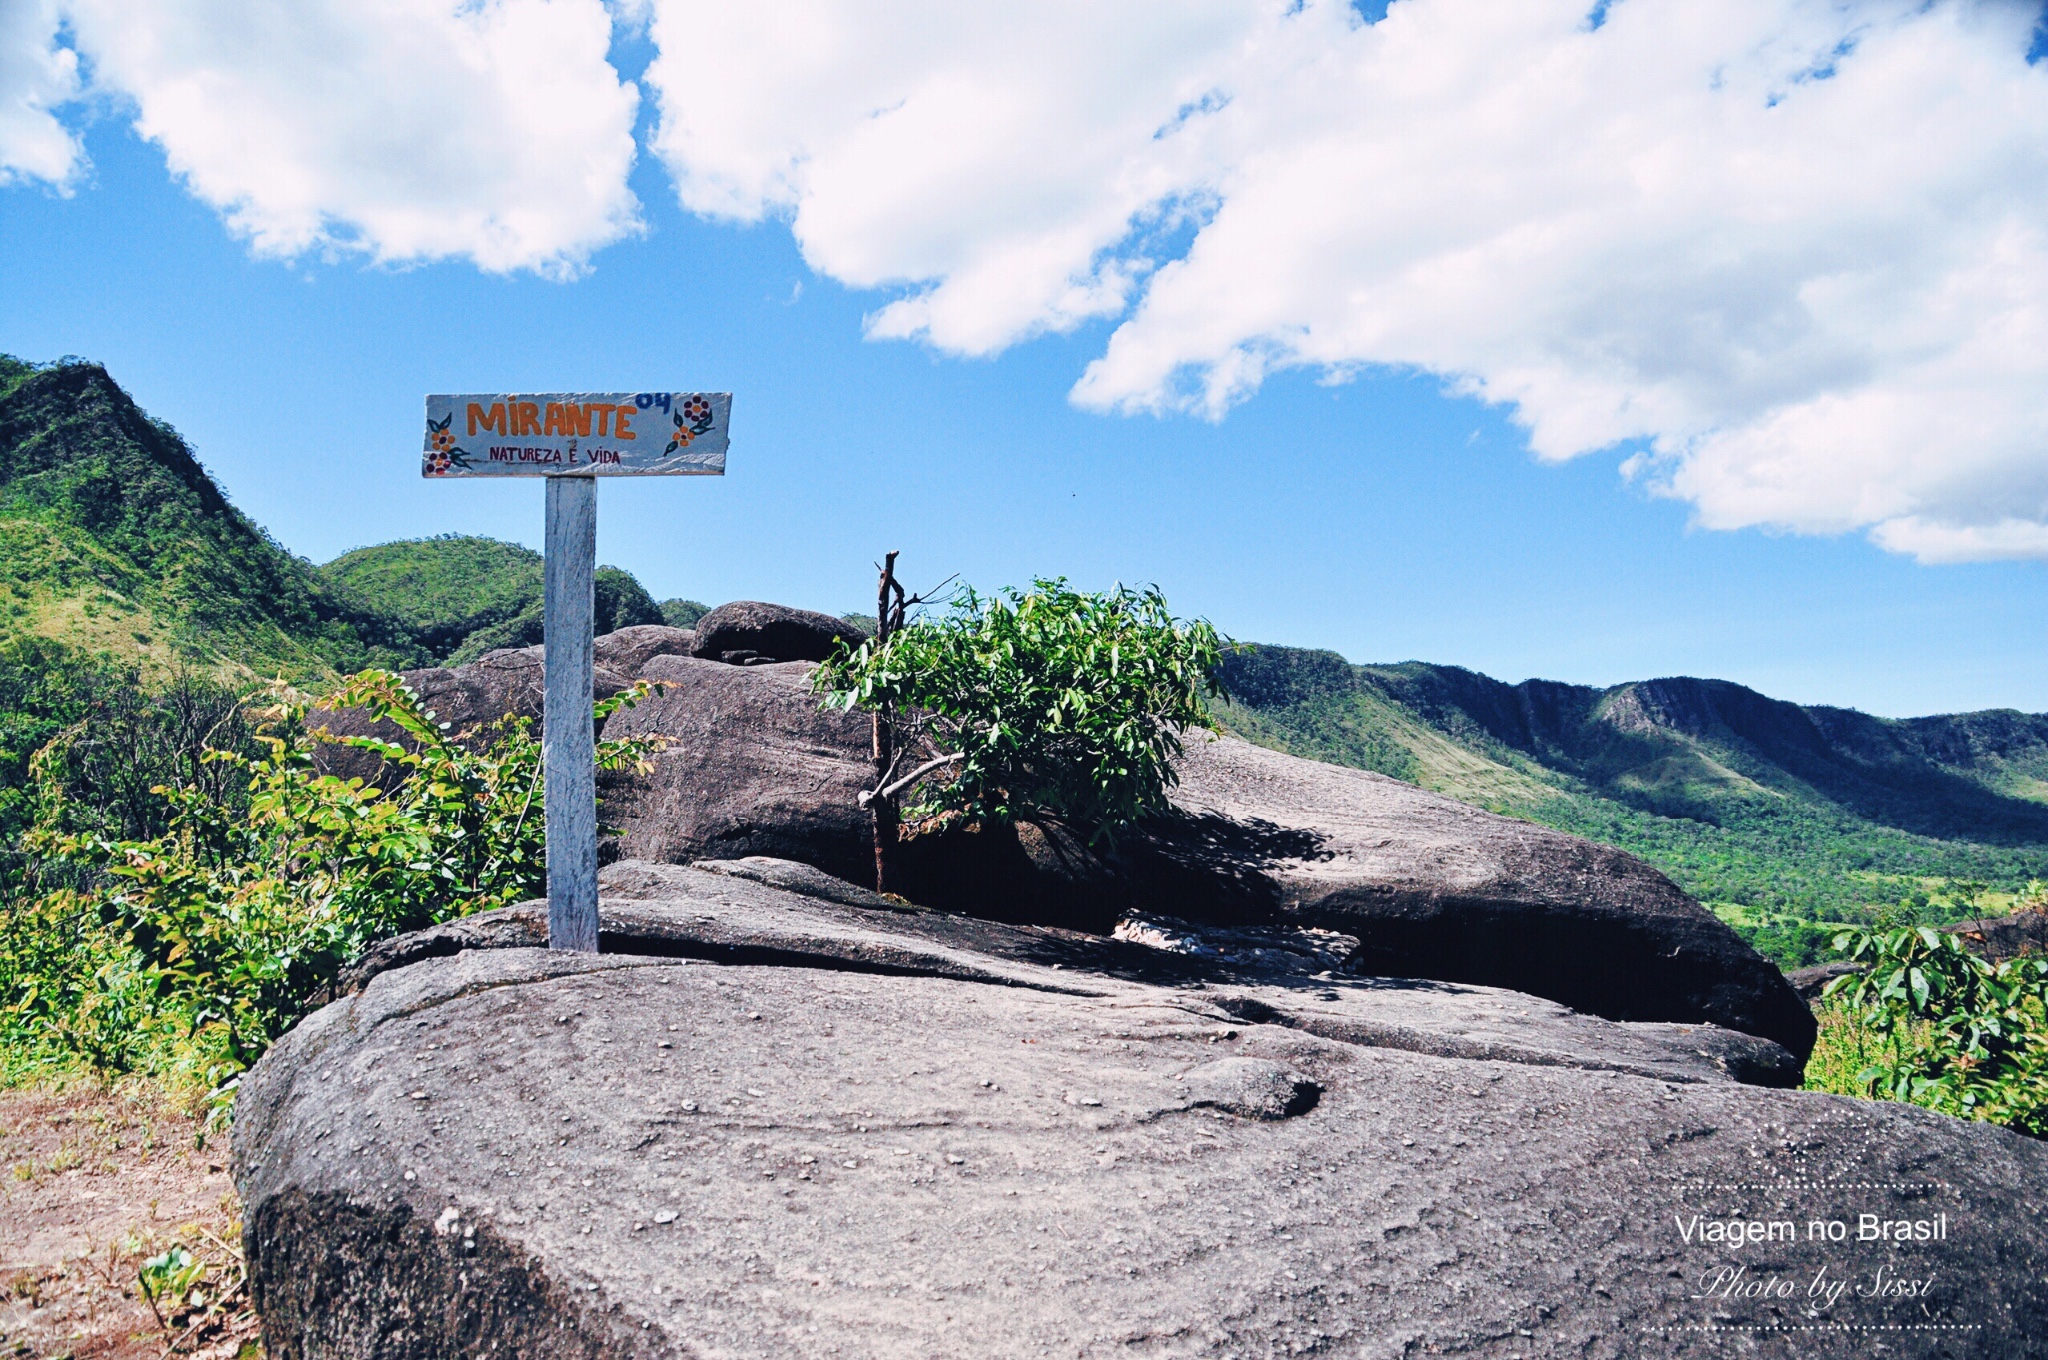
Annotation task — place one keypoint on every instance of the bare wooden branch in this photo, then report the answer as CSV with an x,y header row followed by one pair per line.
x,y
888,791
884,727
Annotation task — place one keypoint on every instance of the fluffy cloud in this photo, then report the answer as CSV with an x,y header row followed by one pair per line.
x,y
997,152
407,130
36,76
1793,250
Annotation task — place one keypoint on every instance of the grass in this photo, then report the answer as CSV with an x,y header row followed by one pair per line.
x,y
1844,1049
1838,1053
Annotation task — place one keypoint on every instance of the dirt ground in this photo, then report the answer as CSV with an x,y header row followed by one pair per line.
x,y
99,1190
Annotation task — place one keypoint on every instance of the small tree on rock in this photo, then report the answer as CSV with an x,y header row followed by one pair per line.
x,y
1042,702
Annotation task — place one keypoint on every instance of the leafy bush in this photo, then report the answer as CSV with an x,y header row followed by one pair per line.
x,y
197,948
1047,701
1936,1025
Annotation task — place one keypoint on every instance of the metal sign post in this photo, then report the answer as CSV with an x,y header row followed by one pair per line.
x,y
572,439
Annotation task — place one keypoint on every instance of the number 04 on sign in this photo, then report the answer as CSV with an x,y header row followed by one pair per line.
x,y
572,439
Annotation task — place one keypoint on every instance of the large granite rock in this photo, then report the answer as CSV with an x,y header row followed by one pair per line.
x,y
1434,887
2019,935
750,632
1429,886
770,911
752,766
626,650
800,1127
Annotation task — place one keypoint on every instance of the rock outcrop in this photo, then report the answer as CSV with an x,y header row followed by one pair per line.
x,y
792,1125
1429,886
752,766
469,699
748,632
624,651
2019,935
1810,983
1436,888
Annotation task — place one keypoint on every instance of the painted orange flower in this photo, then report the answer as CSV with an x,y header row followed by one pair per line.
x,y
444,440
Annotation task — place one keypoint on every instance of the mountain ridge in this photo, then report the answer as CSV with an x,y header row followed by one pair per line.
x,y
135,535
1757,804
115,539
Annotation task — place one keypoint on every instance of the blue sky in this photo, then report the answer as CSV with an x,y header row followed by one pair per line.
x,y
1373,513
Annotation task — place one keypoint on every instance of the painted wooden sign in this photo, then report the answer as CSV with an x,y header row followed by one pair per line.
x,y
550,434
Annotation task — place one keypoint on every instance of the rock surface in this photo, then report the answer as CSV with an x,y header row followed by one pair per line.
x,y
469,699
803,1128
752,766
753,633
511,682
1440,889
626,650
764,910
1811,982
1429,886
2023,934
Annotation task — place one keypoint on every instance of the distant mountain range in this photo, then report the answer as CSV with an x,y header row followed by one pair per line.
x,y
1764,808
114,539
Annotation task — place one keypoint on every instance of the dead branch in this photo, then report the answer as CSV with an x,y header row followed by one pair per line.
x,y
868,796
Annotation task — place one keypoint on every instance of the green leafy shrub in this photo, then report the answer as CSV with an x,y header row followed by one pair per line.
x,y
196,948
1047,701
1933,1024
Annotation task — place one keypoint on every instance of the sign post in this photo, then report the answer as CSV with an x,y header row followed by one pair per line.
x,y
572,439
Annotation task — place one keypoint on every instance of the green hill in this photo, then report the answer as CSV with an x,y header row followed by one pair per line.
x,y
1778,815
683,613
460,597
441,589
114,539
136,603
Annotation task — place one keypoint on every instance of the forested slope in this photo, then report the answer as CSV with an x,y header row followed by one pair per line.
x,y
1774,812
115,539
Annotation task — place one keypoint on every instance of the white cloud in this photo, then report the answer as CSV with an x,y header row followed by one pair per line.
x,y
407,130
36,76
993,152
1798,248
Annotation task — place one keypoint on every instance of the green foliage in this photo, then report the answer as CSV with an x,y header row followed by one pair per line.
x,y
1936,1025
1048,701
683,613
1787,941
619,601
443,589
169,1277
121,735
622,602
193,949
